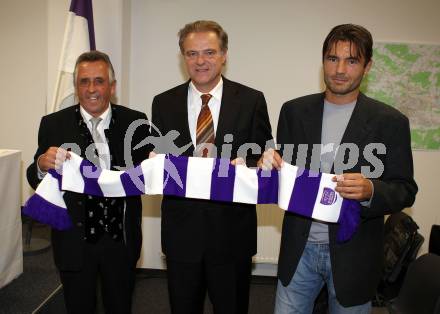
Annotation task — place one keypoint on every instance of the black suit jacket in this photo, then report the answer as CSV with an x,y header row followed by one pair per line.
x,y
356,264
192,229
62,127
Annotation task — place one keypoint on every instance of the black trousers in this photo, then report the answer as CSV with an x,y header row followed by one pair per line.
x,y
227,285
108,262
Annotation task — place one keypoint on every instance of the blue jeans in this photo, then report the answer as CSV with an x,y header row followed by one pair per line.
x,y
314,269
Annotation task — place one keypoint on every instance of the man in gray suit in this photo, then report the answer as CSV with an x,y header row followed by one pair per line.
x,y
342,122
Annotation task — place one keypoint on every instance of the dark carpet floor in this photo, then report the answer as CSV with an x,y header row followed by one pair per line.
x,y
38,289
151,296
39,279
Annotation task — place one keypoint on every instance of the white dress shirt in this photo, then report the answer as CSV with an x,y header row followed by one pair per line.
x,y
195,105
103,149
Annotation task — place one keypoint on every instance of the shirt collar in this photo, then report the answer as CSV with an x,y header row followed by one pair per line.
x,y
105,116
216,92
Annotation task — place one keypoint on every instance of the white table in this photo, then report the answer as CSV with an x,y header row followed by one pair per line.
x,y
11,252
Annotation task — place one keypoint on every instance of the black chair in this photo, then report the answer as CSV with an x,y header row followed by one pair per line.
x,y
420,293
434,240
402,242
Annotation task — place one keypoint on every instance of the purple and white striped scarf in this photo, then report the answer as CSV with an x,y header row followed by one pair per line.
x,y
295,190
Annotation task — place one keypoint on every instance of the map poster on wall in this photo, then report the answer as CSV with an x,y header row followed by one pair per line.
x,y
407,77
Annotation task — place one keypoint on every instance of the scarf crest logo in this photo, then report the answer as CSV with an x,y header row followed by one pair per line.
x,y
329,196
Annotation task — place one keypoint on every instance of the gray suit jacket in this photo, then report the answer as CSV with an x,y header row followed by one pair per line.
x,y
356,264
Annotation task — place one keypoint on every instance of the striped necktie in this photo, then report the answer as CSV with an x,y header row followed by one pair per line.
x,y
205,127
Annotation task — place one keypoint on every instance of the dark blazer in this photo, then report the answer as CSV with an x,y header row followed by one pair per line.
x,y
195,228
62,127
356,264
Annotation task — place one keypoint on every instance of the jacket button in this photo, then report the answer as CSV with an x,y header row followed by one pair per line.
x,y
79,224
80,203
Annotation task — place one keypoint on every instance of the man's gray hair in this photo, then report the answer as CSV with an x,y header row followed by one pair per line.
x,y
93,56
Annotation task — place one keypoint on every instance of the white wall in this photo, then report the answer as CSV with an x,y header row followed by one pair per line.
x,y
23,46
274,46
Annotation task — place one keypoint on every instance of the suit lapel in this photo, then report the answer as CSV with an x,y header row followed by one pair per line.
x,y
229,109
80,131
358,128
179,118
115,137
312,122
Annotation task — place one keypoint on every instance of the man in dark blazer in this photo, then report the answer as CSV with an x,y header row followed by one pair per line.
x,y
209,245
105,240
381,178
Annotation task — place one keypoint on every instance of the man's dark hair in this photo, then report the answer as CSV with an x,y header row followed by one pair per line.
x,y
93,56
354,34
204,26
